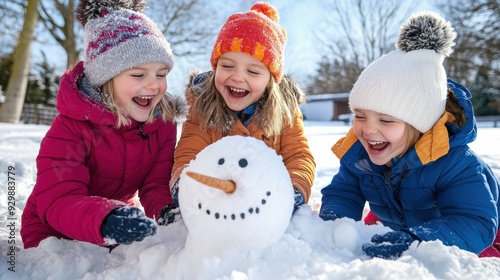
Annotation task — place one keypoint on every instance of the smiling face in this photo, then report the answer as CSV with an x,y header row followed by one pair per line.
x,y
241,79
382,136
138,90
236,194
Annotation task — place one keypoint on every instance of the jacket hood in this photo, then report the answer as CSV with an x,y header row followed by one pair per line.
x,y
73,104
456,127
463,129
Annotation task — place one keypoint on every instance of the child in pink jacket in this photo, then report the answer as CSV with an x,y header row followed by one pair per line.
x,y
114,138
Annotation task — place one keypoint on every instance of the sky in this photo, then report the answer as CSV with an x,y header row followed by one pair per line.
x,y
309,248
302,20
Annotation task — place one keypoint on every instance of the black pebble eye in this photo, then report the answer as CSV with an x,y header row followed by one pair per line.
x,y
221,161
243,162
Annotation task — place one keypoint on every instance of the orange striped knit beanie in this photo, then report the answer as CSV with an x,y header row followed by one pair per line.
x,y
257,33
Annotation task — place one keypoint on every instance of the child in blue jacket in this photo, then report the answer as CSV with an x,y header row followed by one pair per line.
x,y
407,153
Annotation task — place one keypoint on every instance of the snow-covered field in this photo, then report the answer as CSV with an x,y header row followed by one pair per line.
x,y
310,248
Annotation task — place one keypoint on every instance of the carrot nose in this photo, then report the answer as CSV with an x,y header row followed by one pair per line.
x,y
226,185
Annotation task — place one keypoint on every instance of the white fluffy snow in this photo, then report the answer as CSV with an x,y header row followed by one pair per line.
x,y
309,249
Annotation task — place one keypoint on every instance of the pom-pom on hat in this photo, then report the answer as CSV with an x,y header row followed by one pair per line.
x,y
118,37
257,33
410,82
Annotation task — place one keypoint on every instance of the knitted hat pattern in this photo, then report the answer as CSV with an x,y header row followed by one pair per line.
x,y
257,33
118,37
410,82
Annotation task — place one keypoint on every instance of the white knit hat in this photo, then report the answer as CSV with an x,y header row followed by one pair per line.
x,y
409,83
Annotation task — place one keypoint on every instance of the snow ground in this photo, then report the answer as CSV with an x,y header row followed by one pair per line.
x,y
310,248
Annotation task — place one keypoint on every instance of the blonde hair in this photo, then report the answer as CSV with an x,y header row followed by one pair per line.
x,y
411,136
276,110
167,106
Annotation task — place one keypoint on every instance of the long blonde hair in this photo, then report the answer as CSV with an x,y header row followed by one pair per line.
x,y
276,110
167,106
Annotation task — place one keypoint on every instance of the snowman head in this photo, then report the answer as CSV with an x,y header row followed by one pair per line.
x,y
236,194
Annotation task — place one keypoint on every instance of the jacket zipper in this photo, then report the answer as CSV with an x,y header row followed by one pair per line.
x,y
144,136
395,195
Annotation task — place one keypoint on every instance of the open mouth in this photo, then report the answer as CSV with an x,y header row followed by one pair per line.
x,y
238,93
378,146
143,101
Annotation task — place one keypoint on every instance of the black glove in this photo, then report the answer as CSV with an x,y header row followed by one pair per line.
x,y
127,224
390,245
171,213
175,193
298,200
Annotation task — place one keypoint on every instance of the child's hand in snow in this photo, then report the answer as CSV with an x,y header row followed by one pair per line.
x,y
390,245
127,224
169,214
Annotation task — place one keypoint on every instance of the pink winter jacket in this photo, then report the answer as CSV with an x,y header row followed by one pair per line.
x,y
87,168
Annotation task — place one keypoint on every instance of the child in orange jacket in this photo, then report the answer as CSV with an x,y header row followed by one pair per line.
x,y
246,94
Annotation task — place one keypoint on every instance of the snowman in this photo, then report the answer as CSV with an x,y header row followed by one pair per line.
x,y
236,194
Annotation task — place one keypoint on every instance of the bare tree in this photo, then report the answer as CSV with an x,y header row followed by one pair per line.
x,y
475,61
477,24
16,88
11,13
189,25
58,17
355,34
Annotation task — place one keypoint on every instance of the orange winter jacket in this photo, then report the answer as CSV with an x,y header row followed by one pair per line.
x,y
291,145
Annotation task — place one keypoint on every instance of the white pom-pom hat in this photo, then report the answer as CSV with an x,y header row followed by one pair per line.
x,y
409,83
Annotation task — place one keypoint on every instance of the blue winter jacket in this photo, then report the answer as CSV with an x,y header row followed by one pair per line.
x,y
439,189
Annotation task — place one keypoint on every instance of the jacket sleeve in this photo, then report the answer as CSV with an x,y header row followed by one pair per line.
x,y
468,202
342,197
61,190
298,158
154,193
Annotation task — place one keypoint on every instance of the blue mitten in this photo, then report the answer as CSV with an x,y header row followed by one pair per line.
x,y
390,245
329,216
171,213
126,225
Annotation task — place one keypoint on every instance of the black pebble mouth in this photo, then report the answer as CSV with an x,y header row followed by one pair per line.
x,y
235,216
